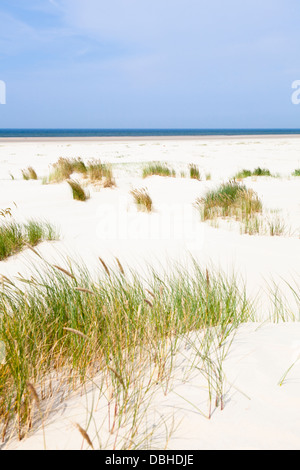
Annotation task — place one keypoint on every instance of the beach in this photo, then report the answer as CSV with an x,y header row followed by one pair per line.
x,y
261,405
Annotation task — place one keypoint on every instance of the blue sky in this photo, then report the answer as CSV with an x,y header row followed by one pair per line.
x,y
149,63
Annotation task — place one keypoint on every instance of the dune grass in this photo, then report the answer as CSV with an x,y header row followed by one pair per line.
x,y
229,200
66,321
94,171
243,174
109,180
7,212
235,201
79,193
29,174
194,172
15,236
142,199
158,169
257,172
100,172
63,169
261,172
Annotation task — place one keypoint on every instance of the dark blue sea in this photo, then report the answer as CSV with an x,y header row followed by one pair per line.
x,y
27,133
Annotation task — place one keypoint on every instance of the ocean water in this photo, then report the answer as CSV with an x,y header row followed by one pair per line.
x,y
27,133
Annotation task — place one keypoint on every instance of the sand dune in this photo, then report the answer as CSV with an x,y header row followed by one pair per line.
x,y
258,413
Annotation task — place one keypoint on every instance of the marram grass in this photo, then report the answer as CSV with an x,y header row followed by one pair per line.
x,y
256,172
194,172
29,174
229,200
94,171
78,192
64,168
64,319
158,169
142,199
15,236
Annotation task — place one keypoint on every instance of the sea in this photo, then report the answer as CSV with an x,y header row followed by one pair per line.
x,y
60,133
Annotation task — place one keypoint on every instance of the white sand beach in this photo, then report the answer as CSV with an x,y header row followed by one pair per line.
x,y
259,411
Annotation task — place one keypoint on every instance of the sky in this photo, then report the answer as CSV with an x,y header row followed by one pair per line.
x,y
149,63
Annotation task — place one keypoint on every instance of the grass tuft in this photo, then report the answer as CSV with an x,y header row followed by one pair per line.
x,y
257,172
142,199
261,172
15,236
79,194
243,174
94,171
158,169
29,174
64,168
229,200
194,172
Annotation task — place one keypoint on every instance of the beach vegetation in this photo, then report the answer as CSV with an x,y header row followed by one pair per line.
x,y
64,168
98,172
61,321
261,172
256,172
243,174
229,200
15,236
6,212
109,180
194,172
142,199
158,169
277,227
79,193
94,171
29,174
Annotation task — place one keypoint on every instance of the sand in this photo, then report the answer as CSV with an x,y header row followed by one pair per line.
x,y
258,414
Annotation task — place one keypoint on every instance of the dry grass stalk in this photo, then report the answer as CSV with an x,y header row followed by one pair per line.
x,y
104,266
120,267
84,435
33,393
148,302
118,377
64,271
32,249
150,293
82,289
76,332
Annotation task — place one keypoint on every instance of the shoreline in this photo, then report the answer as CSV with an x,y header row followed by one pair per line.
x,y
146,138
